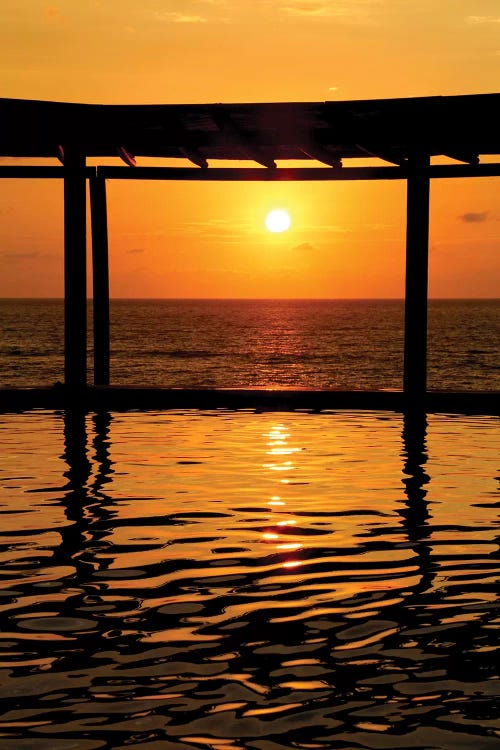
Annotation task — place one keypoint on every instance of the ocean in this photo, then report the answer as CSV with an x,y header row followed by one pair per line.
x,y
343,344
234,580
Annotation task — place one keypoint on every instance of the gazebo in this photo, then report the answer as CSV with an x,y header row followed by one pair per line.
x,y
402,134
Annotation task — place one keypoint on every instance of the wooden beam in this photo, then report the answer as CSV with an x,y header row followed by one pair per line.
x,y
126,157
467,157
385,155
256,174
246,142
100,279
75,270
194,155
416,286
253,174
321,154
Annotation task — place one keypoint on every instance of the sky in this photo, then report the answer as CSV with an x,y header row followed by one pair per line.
x,y
209,239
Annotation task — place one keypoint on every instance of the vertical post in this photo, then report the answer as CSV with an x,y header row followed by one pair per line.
x,y
75,270
100,276
416,287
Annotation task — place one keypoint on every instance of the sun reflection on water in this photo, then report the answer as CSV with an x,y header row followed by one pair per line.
x,y
278,437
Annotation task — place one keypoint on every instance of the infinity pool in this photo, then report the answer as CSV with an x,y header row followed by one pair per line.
x,y
232,580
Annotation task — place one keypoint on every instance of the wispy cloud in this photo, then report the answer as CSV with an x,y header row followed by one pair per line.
x,y
218,225
361,10
176,17
474,217
304,247
135,250
307,8
325,228
148,233
192,12
483,19
181,18
228,231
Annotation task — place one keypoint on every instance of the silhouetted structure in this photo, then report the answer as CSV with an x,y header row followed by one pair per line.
x,y
406,133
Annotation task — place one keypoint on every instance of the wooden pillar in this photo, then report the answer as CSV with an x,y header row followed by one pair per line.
x,y
100,276
75,270
416,287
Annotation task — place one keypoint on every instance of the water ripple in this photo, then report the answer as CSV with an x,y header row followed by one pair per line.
x,y
175,581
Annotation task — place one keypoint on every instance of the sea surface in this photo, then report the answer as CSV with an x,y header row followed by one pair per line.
x,y
188,580
346,344
239,581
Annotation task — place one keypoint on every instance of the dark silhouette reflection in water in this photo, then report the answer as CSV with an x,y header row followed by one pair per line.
x,y
415,512
75,502
85,504
152,604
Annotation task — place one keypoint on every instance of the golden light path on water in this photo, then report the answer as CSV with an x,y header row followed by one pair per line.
x,y
278,447
241,580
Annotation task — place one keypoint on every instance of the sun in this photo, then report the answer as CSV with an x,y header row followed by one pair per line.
x,y
278,220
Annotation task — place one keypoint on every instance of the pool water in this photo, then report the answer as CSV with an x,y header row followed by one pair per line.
x,y
230,580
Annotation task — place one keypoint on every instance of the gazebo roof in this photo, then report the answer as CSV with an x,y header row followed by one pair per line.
x,y
461,127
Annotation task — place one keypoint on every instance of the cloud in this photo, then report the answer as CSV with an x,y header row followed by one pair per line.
x,y
304,246
179,17
483,19
223,230
342,9
136,250
325,228
308,8
473,217
151,233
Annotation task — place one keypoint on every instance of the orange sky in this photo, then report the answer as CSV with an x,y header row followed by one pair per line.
x,y
209,240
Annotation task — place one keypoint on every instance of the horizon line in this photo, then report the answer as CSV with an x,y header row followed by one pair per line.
x,y
252,299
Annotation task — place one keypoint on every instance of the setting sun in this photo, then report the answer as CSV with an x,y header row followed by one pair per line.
x,y
278,220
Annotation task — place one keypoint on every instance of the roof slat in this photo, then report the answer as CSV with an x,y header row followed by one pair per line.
x,y
391,129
